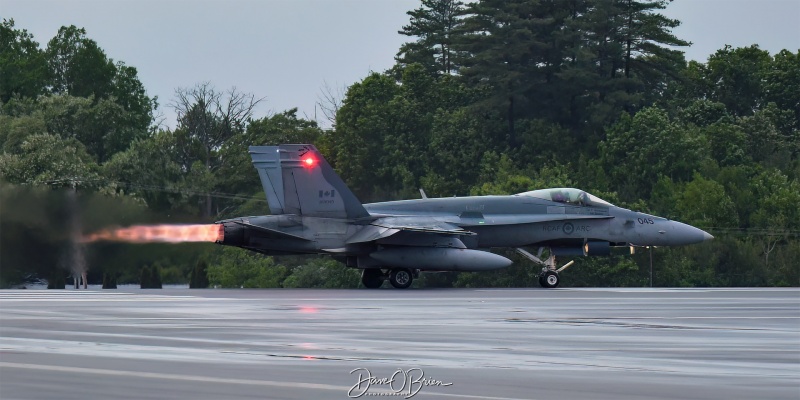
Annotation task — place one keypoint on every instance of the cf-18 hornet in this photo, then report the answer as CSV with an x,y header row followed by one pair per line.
x,y
313,212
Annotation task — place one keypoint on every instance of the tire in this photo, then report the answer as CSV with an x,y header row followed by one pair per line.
x,y
372,278
549,280
401,278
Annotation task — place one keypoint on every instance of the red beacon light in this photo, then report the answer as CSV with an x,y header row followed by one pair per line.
x,y
308,162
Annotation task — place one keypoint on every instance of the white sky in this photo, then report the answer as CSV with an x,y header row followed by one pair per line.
x,y
286,50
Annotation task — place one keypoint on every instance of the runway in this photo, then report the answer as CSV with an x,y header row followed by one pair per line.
x,y
446,344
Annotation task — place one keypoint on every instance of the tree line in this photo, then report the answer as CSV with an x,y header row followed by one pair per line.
x,y
490,97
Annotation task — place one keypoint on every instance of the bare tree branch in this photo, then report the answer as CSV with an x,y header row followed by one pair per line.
x,y
208,118
330,100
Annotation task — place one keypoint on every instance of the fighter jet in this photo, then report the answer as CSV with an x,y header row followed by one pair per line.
x,y
313,212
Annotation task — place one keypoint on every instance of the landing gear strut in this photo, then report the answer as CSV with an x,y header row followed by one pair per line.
x,y
548,278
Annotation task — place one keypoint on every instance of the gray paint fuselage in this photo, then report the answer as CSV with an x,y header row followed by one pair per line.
x,y
497,221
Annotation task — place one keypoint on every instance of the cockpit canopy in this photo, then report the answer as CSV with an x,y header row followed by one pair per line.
x,y
567,195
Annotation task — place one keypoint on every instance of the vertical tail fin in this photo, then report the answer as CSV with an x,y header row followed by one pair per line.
x,y
298,180
267,161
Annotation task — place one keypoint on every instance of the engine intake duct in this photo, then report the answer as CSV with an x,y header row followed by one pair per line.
x,y
596,248
590,248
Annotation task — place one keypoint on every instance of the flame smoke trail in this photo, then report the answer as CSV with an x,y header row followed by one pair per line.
x,y
159,234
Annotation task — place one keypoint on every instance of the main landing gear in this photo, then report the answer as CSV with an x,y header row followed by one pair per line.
x,y
399,278
372,278
548,278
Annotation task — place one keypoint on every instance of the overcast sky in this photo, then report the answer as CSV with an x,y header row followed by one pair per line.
x,y
285,51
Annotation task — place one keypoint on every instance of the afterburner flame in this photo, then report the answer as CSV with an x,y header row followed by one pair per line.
x,y
159,234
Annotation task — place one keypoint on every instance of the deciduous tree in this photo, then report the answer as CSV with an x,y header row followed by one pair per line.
x,y
23,66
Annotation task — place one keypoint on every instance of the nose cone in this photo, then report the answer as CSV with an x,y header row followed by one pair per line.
x,y
687,234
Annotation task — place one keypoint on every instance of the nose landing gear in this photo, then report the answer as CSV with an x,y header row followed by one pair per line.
x,y
548,278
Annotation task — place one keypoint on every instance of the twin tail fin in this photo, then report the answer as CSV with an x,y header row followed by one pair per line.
x,y
298,180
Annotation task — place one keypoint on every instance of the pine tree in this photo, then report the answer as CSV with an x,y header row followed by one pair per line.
x,y
145,281
109,281
433,24
199,278
508,50
577,63
155,277
56,280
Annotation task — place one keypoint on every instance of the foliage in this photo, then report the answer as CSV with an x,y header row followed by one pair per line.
x,y
172,275
23,66
199,278
577,64
150,277
155,276
323,273
434,25
145,281
47,159
238,268
56,280
109,281
704,202
641,147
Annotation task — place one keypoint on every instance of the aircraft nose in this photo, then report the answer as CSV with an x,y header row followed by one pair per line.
x,y
687,234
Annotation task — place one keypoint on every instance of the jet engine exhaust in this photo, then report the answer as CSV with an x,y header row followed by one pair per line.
x,y
232,234
159,234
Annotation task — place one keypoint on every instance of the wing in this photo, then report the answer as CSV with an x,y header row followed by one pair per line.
x,y
411,231
371,233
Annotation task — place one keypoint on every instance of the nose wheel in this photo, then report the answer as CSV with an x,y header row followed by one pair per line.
x,y
549,279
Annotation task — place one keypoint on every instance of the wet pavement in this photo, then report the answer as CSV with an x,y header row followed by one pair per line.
x,y
421,344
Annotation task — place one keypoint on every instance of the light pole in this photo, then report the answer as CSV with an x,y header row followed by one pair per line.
x,y
651,265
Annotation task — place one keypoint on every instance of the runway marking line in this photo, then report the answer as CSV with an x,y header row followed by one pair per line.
x,y
209,379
